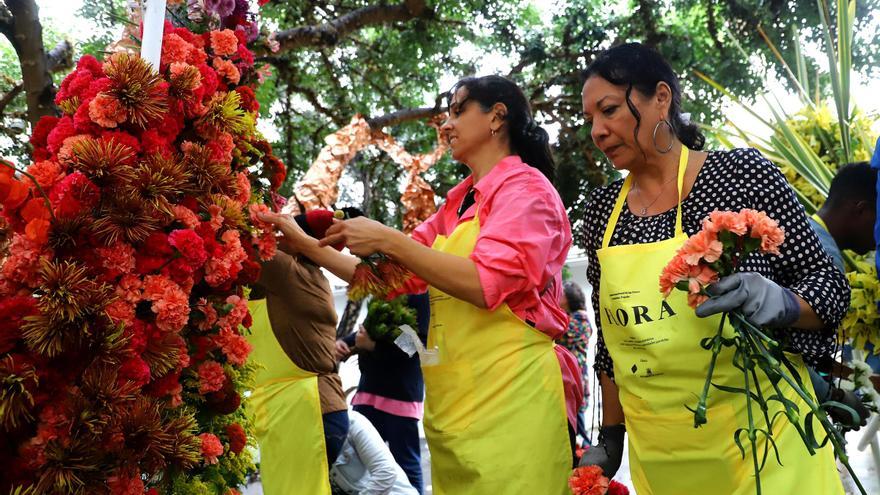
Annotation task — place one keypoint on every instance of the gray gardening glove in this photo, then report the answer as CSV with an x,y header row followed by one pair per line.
x,y
609,453
762,301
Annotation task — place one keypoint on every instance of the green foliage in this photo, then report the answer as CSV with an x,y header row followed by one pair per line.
x,y
385,317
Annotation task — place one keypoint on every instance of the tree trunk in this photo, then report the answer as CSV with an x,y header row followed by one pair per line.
x,y
25,33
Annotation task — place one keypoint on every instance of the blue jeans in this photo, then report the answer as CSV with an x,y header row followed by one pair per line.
x,y
335,431
402,435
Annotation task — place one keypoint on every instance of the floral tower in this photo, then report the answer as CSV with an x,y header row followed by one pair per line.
x,y
132,236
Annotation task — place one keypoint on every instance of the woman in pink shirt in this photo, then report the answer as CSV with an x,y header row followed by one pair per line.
x,y
491,258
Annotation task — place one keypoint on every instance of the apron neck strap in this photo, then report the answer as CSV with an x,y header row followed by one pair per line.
x,y
627,185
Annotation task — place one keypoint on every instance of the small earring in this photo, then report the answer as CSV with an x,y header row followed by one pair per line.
x,y
493,131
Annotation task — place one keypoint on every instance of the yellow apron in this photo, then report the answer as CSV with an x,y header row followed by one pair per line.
x,y
660,367
287,418
495,415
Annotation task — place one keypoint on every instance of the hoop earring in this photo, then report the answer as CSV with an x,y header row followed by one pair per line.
x,y
654,136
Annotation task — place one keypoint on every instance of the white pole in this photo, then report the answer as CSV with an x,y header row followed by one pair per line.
x,y
154,24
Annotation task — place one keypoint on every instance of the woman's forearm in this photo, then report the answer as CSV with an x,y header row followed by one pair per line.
x,y
808,319
454,275
339,264
612,410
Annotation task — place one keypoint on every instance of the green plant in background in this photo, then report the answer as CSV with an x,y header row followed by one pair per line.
x,y
809,145
384,318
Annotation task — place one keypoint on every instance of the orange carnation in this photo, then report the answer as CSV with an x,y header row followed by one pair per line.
x,y
224,42
588,480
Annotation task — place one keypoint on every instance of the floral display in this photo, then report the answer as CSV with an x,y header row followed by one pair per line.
x,y
132,238
862,385
726,239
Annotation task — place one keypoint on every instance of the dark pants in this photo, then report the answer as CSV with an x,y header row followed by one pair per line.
x,y
335,431
402,435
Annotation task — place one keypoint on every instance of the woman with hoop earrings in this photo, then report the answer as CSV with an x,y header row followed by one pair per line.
x,y
648,355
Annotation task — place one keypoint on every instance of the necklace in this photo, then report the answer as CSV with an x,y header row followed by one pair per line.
x,y
644,210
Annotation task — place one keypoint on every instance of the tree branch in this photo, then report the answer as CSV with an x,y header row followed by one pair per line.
x,y
8,97
26,36
330,33
405,115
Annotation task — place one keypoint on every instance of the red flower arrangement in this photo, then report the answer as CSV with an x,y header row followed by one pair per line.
x,y
122,286
590,480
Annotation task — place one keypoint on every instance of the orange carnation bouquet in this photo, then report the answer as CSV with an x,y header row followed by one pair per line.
x,y
590,480
726,239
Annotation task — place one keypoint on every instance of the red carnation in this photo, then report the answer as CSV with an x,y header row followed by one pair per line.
x,y
42,129
13,310
209,79
62,130
136,370
157,244
123,138
74,194
90,64
248,98
237,437
615,488
246,56
190,245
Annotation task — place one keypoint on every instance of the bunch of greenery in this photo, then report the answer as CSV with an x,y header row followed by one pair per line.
x,y
384,318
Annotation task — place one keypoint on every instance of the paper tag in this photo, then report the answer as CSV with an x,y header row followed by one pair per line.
x,y
408,341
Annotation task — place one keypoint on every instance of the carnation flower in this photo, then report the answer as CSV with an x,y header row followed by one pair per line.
x,y
47,173
189,244
136,370
225,266
226,69
170,302
107,111
588,480
211,447
73,195
703,245
211,377
175,49
125,484
42,129
237,437
248,98
235,347
243,187
185,216
224,42
118,258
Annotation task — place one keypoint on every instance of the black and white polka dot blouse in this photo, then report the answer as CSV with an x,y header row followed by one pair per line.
x,y
732,180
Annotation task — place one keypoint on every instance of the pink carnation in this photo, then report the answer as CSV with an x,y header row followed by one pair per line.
x,y
129,289
120,311
704,245
118,258
210,313
234,346
65,154
243,188
719,221
225,267
170,302
267,245
236,315
211,377
765,228
185,216
23,262
226,69
211,447
106,111
224,42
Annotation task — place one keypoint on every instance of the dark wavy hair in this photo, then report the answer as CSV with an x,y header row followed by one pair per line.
x,y
636,66
527,139
575,296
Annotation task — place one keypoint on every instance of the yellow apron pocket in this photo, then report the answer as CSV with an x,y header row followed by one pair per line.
x,y
450,406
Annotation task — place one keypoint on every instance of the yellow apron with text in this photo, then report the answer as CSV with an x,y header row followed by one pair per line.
x,y
286,411
495,415
659,367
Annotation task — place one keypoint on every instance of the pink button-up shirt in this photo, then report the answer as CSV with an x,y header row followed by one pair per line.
x,y
523,242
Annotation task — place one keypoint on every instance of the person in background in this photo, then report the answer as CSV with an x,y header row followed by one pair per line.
x,y
391,390
293,337
846,221
365,466
577,339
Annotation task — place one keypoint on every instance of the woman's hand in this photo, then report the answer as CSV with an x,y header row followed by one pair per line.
x,y
361,235
295,239
363,341
342,351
